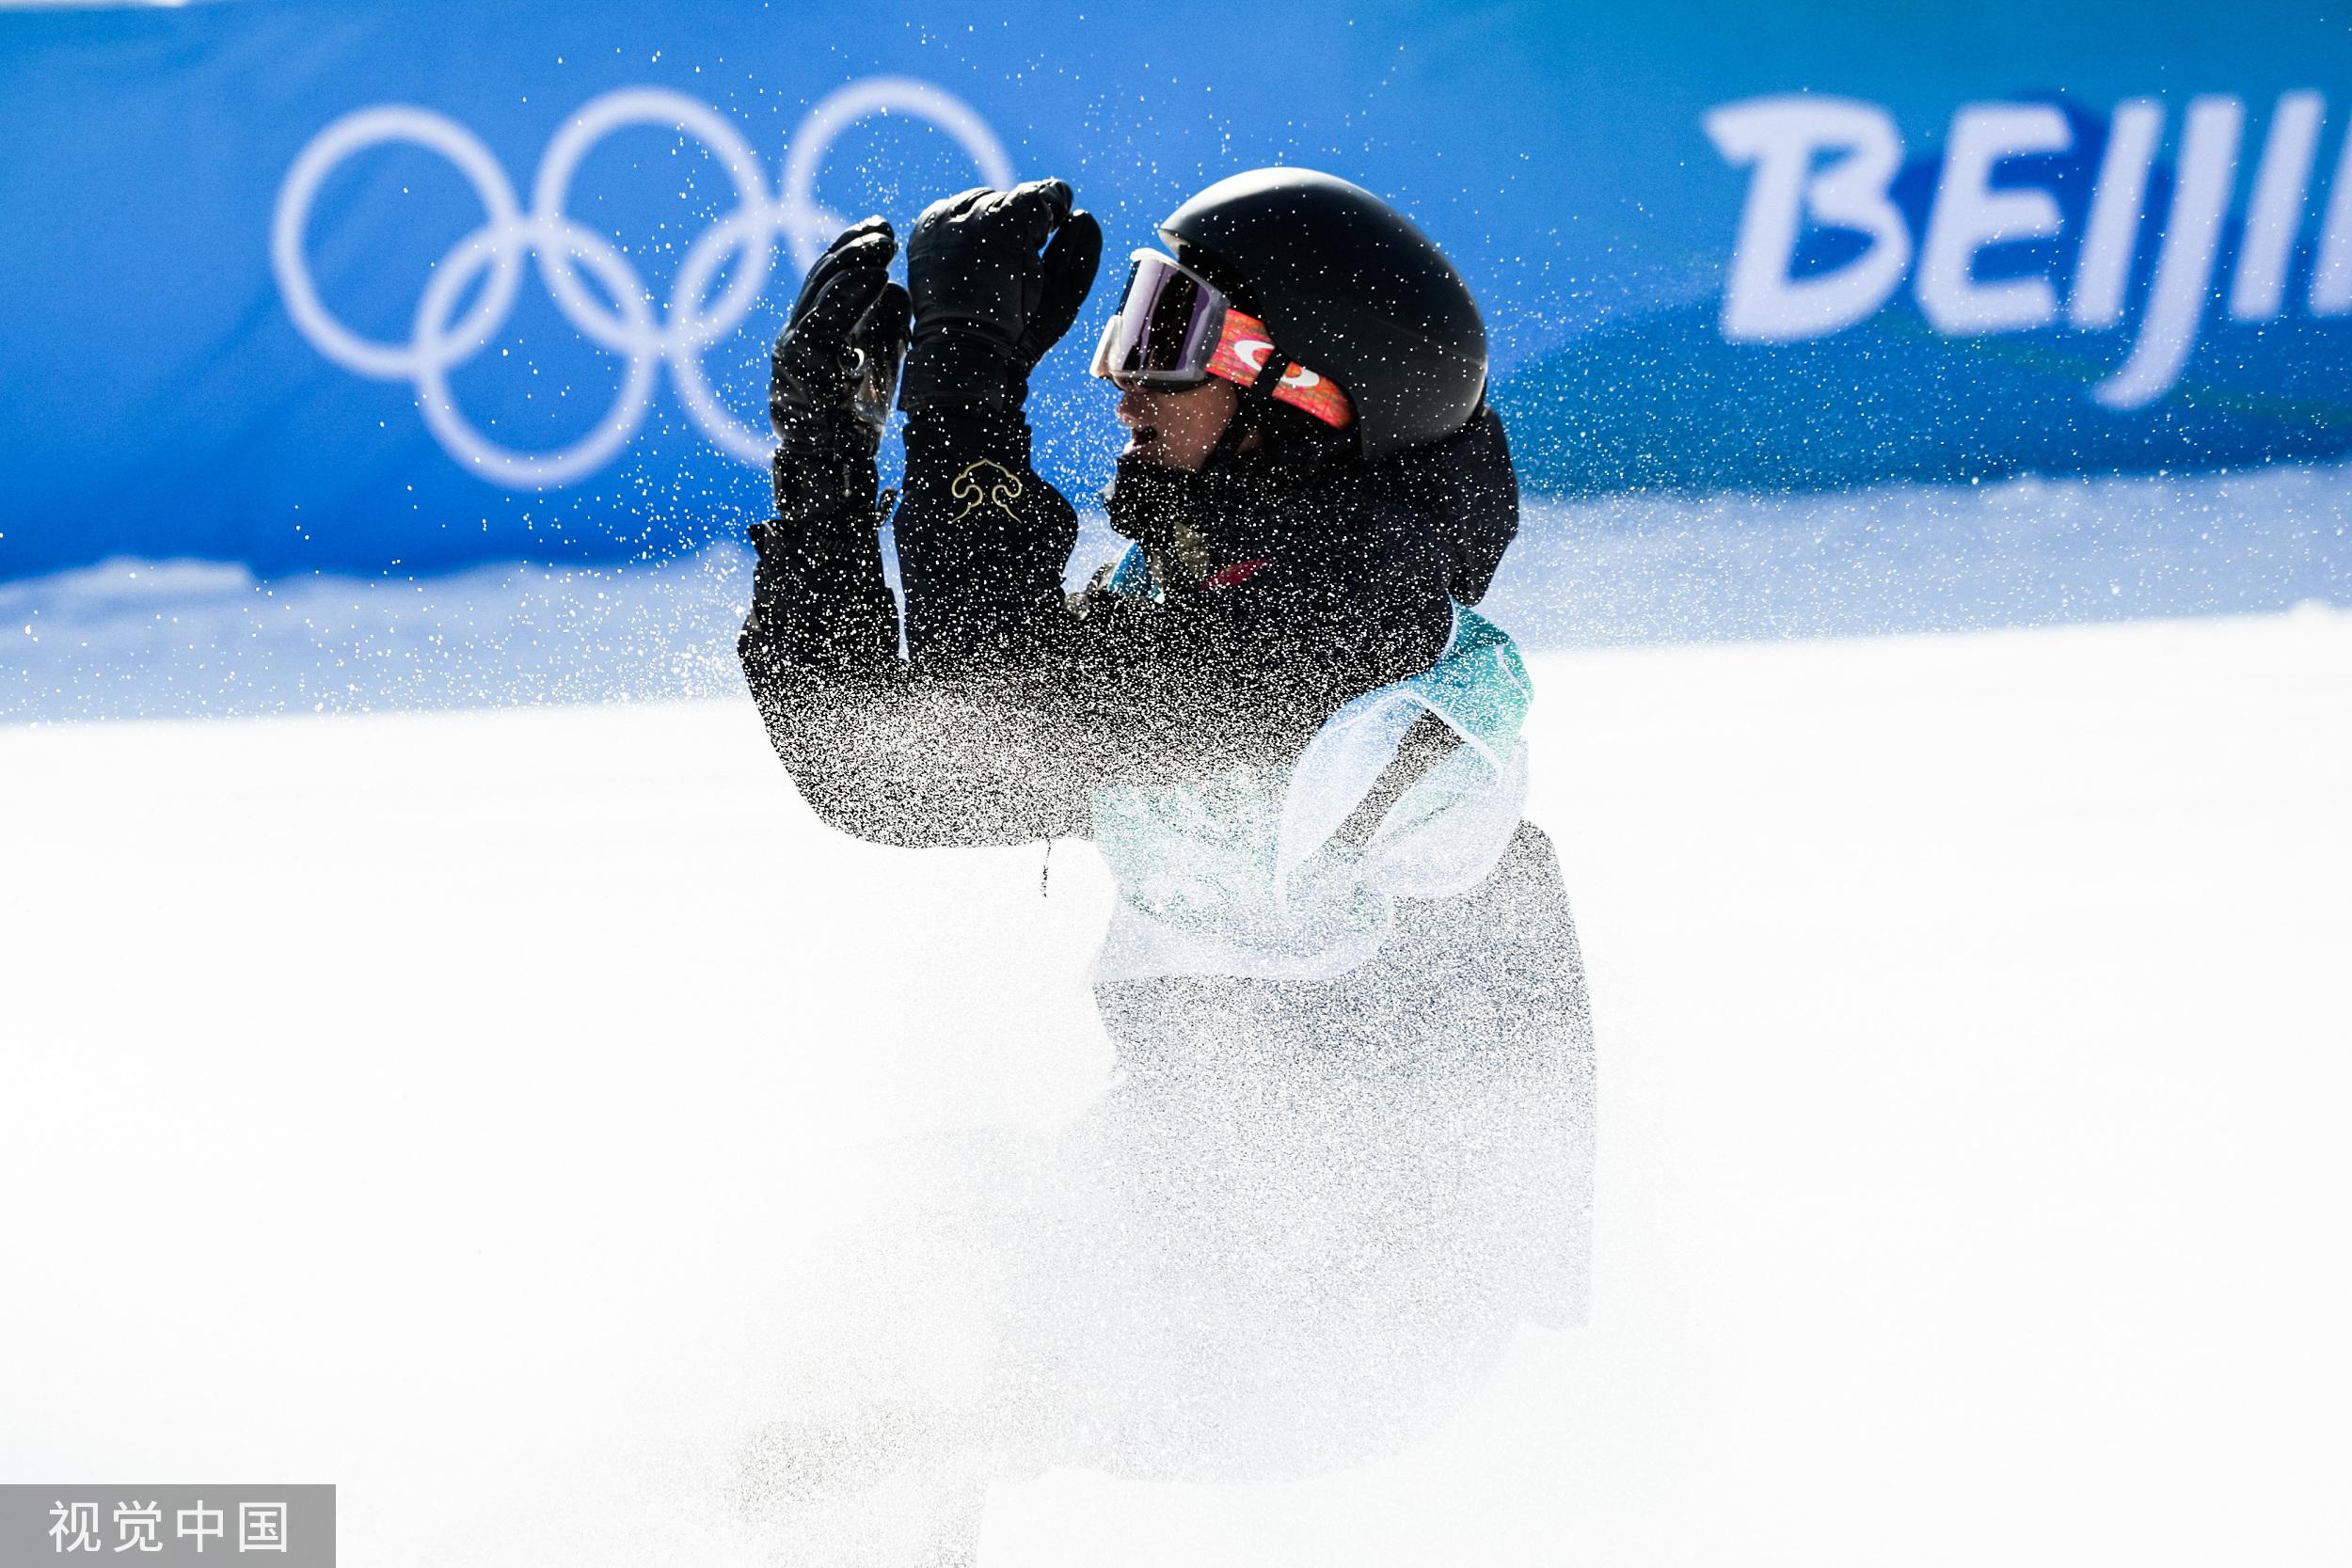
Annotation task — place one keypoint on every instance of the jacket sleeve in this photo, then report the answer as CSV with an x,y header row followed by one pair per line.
x,y
1013,704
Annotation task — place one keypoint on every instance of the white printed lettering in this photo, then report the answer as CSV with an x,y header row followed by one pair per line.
x,y
2103,268
1969,216
2192,233
2332,273
1782,136
2258,282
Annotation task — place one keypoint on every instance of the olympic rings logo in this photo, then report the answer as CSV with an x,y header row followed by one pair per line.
x,y
690,322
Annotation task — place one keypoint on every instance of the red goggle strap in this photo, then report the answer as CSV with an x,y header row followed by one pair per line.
x,y
1243,350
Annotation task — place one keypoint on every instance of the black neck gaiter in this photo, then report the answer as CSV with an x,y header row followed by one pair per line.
x,y
1240,503
1221,503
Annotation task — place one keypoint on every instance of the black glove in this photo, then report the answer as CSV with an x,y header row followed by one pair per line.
x,y
987,304
830,376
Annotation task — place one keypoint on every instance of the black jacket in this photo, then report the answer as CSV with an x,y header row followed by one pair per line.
x,y
1014,703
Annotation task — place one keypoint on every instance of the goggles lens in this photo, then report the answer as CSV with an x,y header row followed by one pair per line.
x,y
1174,329
1166,327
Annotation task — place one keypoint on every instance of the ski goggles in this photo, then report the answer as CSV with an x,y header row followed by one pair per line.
x,y
1174,329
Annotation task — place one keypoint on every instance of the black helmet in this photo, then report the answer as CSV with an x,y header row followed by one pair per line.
x,y
1347,287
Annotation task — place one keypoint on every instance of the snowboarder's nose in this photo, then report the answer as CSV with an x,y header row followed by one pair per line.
x,y
1135,405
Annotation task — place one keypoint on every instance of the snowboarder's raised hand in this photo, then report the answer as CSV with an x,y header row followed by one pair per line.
x,y
987,303
833,371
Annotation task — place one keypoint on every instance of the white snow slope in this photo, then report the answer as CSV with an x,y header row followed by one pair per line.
x,y
439,1103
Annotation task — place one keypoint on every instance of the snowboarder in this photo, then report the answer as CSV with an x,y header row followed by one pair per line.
x,y
1347,1148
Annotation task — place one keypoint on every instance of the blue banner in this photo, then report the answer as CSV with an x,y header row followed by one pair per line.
x,y
324,285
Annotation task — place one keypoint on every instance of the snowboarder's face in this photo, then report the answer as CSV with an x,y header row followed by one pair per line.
x,y
1177,426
